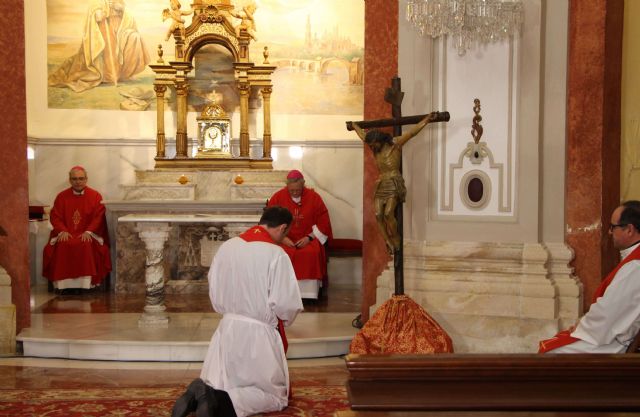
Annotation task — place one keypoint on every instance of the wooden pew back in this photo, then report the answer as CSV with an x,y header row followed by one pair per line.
x,y
457,382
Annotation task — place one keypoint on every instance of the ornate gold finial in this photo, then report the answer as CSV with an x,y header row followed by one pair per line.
x,y
265,54
183,179
160,53
213,111
238,179
476,128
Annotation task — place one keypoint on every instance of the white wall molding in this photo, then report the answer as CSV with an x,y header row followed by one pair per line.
x,y
119,142
502,139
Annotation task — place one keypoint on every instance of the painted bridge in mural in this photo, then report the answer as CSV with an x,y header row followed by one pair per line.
x,y
355,67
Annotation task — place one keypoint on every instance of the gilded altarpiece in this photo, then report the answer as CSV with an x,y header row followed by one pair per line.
x,y
212,23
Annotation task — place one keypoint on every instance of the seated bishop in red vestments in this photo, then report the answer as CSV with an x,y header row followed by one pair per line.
x,y
77,254
310,229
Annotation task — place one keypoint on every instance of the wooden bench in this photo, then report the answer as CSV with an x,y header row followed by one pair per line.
x,y
512,382
351,413
341,248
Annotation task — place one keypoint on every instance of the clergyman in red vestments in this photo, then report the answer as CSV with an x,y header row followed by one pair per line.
x,y
310,229
613,318
77,254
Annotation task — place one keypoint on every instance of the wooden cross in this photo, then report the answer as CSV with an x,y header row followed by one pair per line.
x,y
394,96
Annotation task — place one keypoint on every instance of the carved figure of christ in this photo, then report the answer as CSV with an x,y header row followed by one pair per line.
x,y
390,190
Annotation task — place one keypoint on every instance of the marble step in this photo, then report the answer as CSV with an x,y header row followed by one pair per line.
x,y
194,176
163,177
258,191
117,337
159,192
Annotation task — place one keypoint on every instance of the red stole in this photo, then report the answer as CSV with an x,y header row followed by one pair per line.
x,y
258,234
564,337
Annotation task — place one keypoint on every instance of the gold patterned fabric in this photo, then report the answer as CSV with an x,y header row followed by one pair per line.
x,y
401,326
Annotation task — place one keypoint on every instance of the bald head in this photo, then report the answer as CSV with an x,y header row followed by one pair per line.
x,y
78,178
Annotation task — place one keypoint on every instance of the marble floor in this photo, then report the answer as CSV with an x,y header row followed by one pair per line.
x,y
102,325
335,299
96,312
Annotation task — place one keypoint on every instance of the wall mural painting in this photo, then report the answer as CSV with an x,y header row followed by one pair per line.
x,y
99,51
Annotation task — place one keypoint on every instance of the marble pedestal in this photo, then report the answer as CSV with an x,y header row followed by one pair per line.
x,y
490,297
154,235
39,231
7,316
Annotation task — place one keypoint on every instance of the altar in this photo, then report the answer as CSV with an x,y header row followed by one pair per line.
x,y
178,248
212,188
189,240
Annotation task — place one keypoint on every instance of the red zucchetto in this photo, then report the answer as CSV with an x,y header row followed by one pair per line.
x,y
294,174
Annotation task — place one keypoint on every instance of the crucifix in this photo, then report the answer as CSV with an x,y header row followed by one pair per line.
x,y
390,189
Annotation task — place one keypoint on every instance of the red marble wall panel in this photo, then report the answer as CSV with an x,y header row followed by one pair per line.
x,y
14,192
593,137
380,66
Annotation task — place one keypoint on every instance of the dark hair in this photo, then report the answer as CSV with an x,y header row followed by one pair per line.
x,y
631,214
376,135
274,216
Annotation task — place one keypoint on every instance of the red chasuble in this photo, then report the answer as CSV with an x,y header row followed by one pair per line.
x,y
564,337
258,234
74,258
309,262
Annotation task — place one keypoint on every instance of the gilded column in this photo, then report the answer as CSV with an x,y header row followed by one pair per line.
x,y
244,119
160,138
243,42
182,89
266,137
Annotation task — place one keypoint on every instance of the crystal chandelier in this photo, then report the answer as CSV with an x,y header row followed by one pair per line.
x,y
466,21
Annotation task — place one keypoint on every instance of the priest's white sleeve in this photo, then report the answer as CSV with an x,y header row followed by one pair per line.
x,y
319,235
284,294
616,315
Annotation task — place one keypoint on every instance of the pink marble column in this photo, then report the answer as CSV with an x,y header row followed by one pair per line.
x,y
593,137
380,65
14,193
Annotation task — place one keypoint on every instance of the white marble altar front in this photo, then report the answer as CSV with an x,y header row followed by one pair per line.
x,y
182,244
199,237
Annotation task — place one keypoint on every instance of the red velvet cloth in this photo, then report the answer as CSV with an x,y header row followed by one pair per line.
x,y
345,247
564,337
74,258
401,326
309,262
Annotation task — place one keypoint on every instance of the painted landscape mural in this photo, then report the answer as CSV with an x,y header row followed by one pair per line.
x,y
98,54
